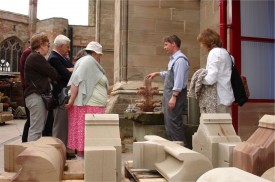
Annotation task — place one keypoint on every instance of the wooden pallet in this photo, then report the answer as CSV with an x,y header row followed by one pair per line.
x,y
141,175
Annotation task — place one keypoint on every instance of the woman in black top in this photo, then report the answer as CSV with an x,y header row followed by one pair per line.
x,y
38,73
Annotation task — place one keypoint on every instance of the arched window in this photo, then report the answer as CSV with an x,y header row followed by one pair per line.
x,y
10,52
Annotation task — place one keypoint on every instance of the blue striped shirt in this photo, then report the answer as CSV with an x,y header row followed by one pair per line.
x,y
180,68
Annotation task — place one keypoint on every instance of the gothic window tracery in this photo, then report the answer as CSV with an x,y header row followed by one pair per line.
x,y
10,52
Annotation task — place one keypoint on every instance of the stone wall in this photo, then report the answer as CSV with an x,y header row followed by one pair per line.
x,y
147,22
105,35
13,24
82,35
209,18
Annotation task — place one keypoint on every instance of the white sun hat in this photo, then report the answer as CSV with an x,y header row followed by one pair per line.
x,y
94,46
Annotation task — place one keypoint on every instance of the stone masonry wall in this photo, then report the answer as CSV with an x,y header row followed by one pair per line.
x,y
209,18
149,22
13,24
106,36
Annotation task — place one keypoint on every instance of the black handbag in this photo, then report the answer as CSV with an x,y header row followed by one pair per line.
x,y
63,96
238,86
48,99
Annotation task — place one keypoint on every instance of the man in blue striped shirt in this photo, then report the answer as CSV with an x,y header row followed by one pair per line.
x,y
175,88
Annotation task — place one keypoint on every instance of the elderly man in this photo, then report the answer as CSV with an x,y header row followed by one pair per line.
x,y
64,67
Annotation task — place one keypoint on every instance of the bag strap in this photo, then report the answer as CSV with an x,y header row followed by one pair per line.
x,y
178,58
51,86
233,64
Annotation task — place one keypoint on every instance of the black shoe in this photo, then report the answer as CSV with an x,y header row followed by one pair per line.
x,y
70,156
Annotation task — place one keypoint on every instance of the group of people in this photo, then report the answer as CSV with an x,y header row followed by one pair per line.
x,y
89,85
88,89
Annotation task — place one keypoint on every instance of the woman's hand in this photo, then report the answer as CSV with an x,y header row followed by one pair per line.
x,y
69,105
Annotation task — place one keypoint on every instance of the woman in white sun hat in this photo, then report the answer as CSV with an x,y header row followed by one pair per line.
x,y
89,87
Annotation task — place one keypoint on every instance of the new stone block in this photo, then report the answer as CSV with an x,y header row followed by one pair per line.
x,y
102,130
225,154
214,128
146,154
11,151
229,174
173,161
257,154
39,163
100,164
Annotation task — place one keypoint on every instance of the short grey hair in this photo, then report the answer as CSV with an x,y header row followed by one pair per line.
x,y
61,40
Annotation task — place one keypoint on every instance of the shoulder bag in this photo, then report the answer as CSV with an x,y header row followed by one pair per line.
x,y
48,99
63,96
239,86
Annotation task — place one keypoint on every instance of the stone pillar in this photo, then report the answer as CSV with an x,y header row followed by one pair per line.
x,y
92,12
97,20
32,16
121,40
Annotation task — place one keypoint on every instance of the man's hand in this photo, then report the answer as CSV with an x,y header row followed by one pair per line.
x,y
172,102
70,69
152,75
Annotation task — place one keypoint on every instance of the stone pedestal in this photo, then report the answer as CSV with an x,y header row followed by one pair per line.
x,y
257,154
101,134
214,128
147,123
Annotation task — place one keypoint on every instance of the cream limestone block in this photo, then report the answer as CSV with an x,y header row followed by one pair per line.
x,y
214,128
225,154
182,164
173,161
11,151
103,130
100,164
39,163
146,154
229,174
267,121
269,174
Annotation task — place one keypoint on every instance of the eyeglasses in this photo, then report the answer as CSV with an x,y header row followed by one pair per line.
x,y
49,45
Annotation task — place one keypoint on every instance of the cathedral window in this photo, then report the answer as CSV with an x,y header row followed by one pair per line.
x,y
10,52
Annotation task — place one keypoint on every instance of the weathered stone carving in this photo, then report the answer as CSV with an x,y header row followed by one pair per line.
x,y
147,103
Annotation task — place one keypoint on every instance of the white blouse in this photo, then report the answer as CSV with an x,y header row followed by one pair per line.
x,y
219,71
